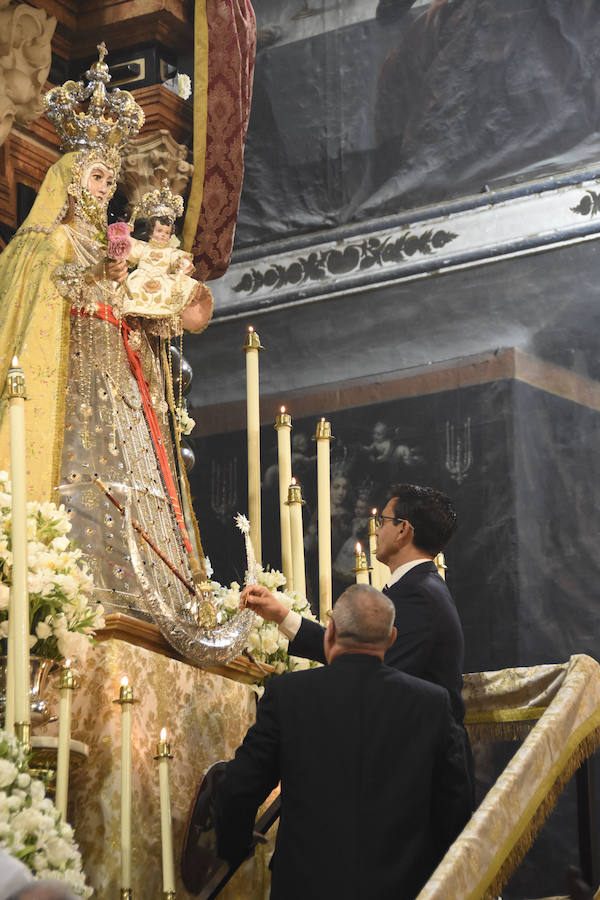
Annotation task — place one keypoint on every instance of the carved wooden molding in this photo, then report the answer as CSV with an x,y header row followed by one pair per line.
x,y
26,159
144,634
164,109
25,58
151,158
120,23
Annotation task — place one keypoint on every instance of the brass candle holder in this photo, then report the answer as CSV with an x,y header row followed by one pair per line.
x,y
15,381
125,893
125,696
283,419
163,750
440,564
295,494
169,895
323,431
372,525
68,679
360,561
252,341
23,735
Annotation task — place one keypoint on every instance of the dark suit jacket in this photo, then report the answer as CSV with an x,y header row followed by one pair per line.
x,y
374,784
430,642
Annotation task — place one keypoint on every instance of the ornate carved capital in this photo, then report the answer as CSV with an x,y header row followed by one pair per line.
x,y
148,160
25,57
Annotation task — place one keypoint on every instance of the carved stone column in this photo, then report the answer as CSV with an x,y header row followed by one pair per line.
x,y
148,160
25,57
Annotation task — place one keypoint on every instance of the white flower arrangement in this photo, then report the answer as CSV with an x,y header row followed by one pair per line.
x,y
265,642
180,84
62,617
185,421
184,86
31,828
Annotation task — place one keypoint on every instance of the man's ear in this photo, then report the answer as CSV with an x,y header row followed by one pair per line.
x,y
405,532
393,636
329,637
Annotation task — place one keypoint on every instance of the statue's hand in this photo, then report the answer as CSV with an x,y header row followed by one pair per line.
x,y
197,315
116,269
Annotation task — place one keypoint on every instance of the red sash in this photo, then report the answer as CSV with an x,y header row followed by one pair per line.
x,y
105,312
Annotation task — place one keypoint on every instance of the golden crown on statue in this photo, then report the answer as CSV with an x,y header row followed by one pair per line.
x,y
161,203
111,120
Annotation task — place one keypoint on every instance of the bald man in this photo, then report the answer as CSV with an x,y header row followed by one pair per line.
x,y
374,782
416,523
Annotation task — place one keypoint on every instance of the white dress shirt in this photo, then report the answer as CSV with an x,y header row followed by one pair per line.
x,y
291,624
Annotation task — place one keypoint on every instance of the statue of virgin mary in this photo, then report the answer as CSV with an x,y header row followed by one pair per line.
x,y
99,387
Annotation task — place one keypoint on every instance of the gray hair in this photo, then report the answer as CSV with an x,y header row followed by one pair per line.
x,y
363,615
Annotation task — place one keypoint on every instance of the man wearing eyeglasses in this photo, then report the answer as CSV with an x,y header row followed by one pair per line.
x,y
374,786
415,525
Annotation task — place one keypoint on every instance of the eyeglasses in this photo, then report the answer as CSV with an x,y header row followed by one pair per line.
x,y
380,520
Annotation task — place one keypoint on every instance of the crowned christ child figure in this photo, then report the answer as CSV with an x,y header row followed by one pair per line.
x,y
160,287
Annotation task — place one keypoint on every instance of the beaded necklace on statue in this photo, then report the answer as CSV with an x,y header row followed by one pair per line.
x,y
171,392
88,249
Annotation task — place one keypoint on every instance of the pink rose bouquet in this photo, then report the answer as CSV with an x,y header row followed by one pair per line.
x,y
119,240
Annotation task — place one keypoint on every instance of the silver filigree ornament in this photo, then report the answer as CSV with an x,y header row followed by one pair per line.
x,y
199,645
251,567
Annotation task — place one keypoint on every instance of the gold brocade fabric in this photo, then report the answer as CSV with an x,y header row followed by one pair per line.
x,y
34,325
85,415
567,699
159,287
206,717
200,101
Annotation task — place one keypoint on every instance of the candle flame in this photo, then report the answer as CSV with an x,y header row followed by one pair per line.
x,y
282,410
373,512
15,362
358,548
124,681
67,663
163,734
250,329
322,418
294,481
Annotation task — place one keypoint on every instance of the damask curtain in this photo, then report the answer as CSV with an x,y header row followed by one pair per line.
x,y
225,48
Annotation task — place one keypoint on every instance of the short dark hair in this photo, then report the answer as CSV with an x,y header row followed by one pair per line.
x,y
151,222
430,513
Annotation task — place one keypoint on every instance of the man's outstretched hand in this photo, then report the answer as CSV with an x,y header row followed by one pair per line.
x,y
261,601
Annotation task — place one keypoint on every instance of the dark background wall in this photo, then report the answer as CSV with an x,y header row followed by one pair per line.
x,y
367,109
363,109
523,565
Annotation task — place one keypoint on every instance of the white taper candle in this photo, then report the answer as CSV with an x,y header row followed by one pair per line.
x,y
18,643
163,755
323,438
283,426
252,346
